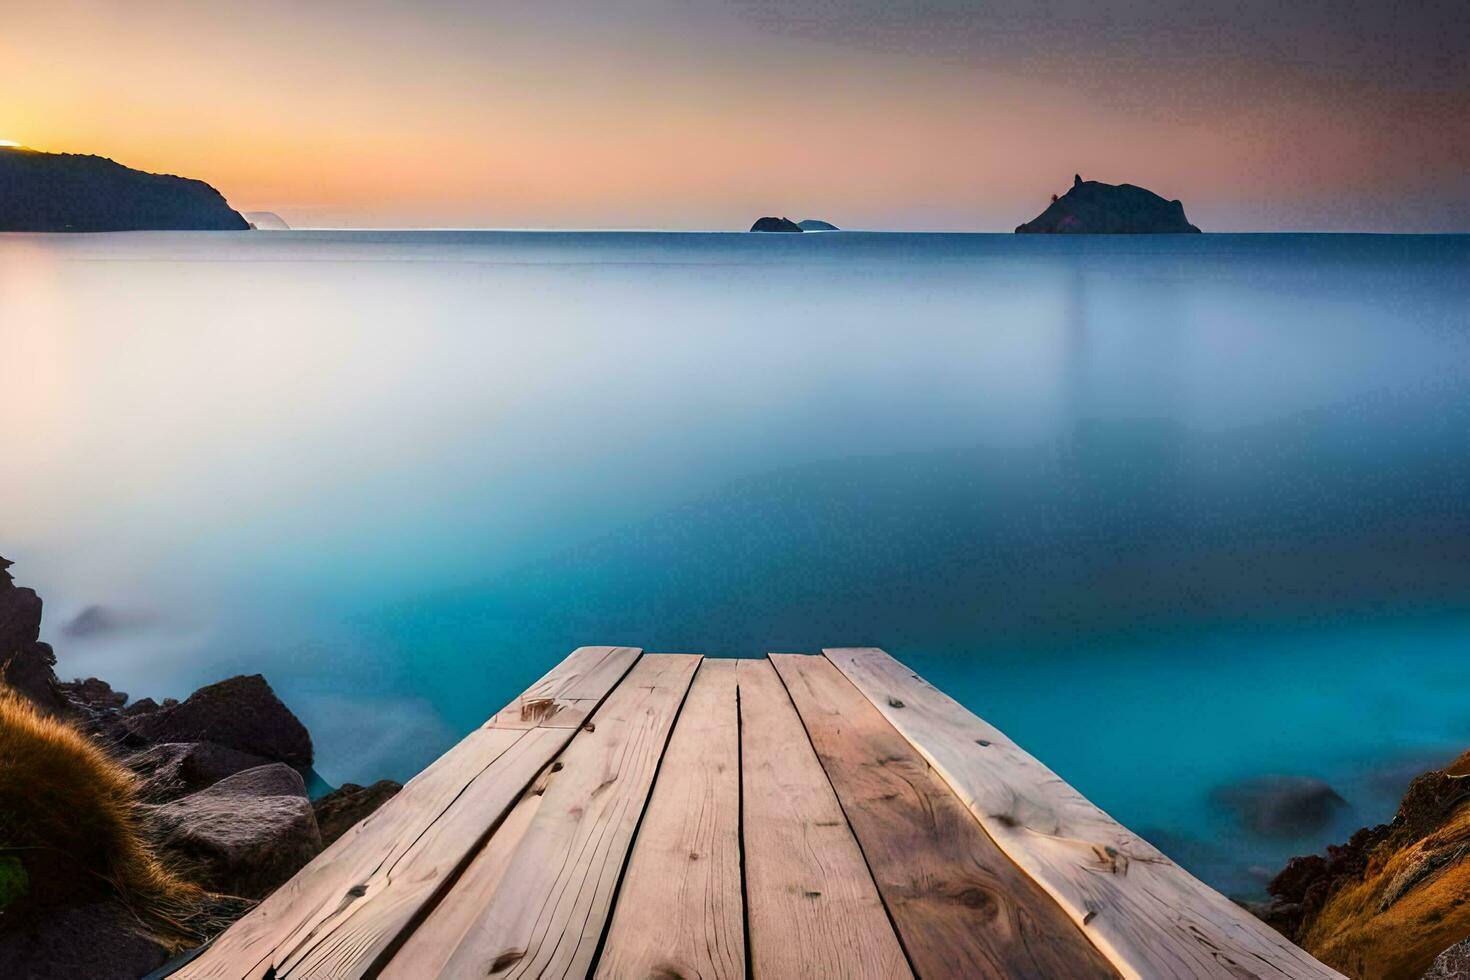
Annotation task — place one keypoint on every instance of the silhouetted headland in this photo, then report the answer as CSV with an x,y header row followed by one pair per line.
x,y
75,192
1094,208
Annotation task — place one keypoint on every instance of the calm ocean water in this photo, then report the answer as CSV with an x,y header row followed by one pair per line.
x,y
1172,512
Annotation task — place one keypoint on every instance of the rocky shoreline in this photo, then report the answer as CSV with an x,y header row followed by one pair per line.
x,y
1393,902
217,788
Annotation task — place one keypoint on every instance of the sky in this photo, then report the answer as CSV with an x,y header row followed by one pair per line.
x,y
1331,115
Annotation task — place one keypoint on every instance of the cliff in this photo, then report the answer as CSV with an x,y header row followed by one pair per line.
x,y
73,192
1094,208
1385,904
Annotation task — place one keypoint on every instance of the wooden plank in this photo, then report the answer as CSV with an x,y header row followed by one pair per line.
x,y
569,692
1144,912
811,905
403,851
548,913
429,946
963,909
543,713
679,911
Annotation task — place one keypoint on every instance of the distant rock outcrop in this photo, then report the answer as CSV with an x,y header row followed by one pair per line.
x,y
266,221
1094,208
73,192
1281,806
775,224
813,224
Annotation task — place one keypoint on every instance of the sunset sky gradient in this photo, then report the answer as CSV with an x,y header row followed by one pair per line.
x,y
941,114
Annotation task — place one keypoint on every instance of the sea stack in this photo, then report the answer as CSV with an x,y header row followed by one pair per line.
x,y
1091,207
72,192
775,224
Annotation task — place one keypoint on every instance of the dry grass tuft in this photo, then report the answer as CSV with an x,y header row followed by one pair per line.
x,y
70,814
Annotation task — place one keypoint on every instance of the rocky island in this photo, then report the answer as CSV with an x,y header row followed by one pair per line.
x,y
50,192
132,830
1091,207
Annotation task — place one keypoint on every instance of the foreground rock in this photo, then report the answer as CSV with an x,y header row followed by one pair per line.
x,y
25,662
220,799
1281,806
341,810
241,713
1390,900
176,769
775,224
73,192
98,941
245,835
1094,208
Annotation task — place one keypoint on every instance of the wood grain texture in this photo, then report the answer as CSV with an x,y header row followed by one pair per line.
x,y
399,855
548,911
963,909
429,946
811,904
679,911
569,692
1150,917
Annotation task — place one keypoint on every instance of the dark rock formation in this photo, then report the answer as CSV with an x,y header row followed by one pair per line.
x,y
175,769
73,192
1094,208
812,224
1281,806
25,662
98,941
775,224
1391,899
242,713
340,810
245,835
1452,964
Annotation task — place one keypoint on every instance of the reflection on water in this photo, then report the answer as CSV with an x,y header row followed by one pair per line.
x,y
1172,512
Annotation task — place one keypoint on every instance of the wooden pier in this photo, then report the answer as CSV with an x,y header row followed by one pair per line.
x,y
667,816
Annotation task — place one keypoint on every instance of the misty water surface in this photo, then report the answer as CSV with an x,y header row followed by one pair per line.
x,y
1172,512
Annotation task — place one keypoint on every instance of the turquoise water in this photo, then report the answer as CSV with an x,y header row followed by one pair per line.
x,y
1172,512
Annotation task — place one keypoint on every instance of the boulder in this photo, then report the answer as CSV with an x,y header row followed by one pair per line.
x,y
775,224
93,693
1452,964
245,835
176,769
98,941
1091,207
242,713
341,810
1281,806
813,224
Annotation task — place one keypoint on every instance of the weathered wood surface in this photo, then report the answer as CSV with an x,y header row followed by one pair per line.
x,y
811,905
341,912
570,692
429,946
680,911
548,913
962,908
1150,917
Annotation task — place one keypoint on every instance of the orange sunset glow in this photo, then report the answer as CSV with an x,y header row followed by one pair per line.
x,y
699,115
